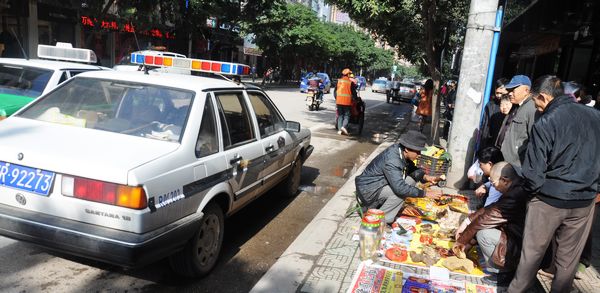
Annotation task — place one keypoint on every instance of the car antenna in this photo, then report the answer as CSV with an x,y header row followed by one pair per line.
x,y
12,30
137,44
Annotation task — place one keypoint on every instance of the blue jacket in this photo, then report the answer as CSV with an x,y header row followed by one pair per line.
x,y
562,165
388,168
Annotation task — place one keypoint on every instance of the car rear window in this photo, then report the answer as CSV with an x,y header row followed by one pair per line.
x,y
129,108
410,85
380,81
23,80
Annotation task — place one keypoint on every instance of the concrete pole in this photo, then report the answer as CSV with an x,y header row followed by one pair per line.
x,y
469,95
32,30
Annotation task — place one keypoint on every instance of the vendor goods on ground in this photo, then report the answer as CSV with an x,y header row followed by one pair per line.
x,y
424,236
372,278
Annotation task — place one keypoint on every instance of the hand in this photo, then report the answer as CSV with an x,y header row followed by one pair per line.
x,y
458,249
433,193
480,191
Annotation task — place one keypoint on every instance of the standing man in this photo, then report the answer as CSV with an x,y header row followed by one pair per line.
x,y
515,135
253,72
391,177
343,100
562,172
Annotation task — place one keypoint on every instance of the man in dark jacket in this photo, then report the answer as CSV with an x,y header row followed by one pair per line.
x,y
562,171
499,226
391,176
515,134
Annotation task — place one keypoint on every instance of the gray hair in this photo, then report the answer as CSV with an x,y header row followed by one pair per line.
x,y
504,169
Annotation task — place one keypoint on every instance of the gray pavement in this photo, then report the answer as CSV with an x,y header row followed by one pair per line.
x,y
324,257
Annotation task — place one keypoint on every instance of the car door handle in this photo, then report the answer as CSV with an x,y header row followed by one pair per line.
x,y
270,148
235,160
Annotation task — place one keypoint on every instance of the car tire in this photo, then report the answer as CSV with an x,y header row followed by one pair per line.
x,y
289,186
201,253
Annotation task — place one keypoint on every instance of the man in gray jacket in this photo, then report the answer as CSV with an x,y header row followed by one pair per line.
x,y
514,135
391,176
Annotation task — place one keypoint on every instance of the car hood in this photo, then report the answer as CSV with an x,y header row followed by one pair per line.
x,y
84,152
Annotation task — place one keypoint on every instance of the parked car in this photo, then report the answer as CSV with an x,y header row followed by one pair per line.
x,y
401,92
324,77
379,86
23,80
128,168
362,83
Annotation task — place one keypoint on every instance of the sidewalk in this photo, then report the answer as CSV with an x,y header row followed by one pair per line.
x,y
324,257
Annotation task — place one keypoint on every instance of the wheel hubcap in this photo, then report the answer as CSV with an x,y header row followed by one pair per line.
x,y
208,239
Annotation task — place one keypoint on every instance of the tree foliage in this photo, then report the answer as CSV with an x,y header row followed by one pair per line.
x,y
292,34
404,24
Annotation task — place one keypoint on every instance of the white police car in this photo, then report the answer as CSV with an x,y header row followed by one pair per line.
x,y
23,80
128,168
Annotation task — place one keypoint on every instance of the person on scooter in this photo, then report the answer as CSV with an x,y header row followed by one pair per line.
x,y
316,83
345,90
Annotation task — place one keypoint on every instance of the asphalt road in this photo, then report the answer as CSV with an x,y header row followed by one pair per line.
x,y
254,237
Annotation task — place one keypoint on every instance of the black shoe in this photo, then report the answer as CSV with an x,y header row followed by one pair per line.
x,y
499,279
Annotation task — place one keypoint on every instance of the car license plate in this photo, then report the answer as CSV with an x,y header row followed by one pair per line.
x,y
25,178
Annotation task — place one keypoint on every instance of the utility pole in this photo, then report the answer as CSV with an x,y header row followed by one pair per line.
x,y
471,86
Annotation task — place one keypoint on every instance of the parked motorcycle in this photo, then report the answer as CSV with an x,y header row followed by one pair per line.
x,y
314,95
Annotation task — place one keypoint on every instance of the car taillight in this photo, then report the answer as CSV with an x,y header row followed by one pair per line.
x,y
104,192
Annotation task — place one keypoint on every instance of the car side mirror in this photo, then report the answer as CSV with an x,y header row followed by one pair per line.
x,y
292,126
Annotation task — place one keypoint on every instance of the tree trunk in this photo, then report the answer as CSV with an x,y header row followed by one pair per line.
x,y
429,10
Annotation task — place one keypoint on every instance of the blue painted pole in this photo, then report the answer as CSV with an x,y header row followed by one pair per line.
x,y
491,68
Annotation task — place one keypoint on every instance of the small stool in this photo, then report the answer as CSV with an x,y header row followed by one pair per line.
x,y
356,208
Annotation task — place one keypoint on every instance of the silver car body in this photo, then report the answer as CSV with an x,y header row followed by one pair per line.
x,y
178,184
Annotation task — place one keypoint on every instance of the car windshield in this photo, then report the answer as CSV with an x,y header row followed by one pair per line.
x,y
410,85
136,109
380,81
23,80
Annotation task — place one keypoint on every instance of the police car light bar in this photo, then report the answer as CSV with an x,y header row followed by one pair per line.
x,y
191,64
66,52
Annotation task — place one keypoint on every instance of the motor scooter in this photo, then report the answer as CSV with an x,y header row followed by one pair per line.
x,y
314,95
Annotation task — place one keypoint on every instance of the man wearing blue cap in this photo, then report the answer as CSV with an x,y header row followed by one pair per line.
x,y
514,135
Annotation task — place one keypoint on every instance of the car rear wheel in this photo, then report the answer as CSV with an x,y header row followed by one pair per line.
x,y
202,251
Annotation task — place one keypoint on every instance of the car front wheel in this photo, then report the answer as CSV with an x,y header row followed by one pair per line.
x,y
202,251
289,186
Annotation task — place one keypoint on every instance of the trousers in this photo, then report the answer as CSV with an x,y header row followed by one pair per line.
x,y
544,223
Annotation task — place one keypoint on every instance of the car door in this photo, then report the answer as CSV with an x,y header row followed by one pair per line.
x,y
243,151
276,141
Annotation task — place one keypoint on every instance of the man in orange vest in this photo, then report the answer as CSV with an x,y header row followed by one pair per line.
x,y
343,100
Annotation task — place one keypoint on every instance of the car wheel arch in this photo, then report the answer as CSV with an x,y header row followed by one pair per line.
x,y
221,194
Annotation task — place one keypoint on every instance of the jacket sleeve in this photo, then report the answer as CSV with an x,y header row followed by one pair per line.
x,y
535,163
485,126
490,217
393,174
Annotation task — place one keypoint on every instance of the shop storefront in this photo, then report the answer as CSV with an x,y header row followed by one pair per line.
x,y
112,40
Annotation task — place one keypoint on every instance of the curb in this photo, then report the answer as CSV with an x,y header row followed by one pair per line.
x,y
294,265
